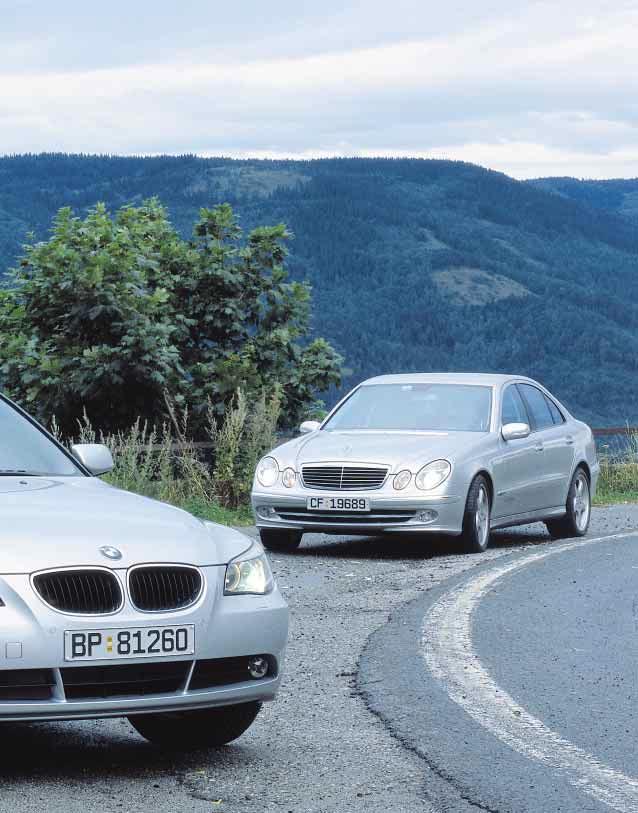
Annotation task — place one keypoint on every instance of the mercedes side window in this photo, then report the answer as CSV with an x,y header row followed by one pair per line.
x,y
513,409
557,415
537,406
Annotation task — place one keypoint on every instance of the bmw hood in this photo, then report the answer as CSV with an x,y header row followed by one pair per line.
x,y
63,522
394,449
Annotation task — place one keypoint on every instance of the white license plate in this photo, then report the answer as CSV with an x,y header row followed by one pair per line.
x,y
130,642
330,503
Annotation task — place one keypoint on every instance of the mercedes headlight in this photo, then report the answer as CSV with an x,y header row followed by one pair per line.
x,y
433,475
289,477
402,479
245,576
267,471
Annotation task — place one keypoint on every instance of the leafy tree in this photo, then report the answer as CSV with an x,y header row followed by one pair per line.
x,y
112,313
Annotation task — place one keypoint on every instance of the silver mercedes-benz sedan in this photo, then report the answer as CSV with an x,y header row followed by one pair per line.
x,y
113,605
431,453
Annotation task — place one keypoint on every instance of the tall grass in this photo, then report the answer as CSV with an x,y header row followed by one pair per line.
x,y
211,479
618,481
243,437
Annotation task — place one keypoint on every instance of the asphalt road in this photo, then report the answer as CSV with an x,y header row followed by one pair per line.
x,y
347,733
516,682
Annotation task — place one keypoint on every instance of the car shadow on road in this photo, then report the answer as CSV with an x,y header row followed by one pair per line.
x,y
92,752
414,546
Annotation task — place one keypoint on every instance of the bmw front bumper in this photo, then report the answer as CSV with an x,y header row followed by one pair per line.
x,y
226,627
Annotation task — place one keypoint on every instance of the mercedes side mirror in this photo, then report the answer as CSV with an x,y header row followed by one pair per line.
x,y
515,431
309,426
96,457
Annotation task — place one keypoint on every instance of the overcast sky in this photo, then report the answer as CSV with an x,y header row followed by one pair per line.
x,y
530,88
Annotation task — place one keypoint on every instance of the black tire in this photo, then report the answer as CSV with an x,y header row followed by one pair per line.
x,y
577,509
190,730
476,523
280,539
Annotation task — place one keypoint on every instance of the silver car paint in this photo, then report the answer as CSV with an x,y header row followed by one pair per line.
x,y
530,476
62,522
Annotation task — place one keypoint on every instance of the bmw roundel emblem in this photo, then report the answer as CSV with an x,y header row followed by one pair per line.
x,y
110,552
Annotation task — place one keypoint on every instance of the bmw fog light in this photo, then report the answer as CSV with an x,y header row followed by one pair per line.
x,y
257,667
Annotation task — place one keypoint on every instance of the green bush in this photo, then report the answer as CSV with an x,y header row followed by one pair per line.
x,y
111,313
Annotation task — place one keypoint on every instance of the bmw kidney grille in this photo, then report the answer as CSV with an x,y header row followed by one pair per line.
x,y
88,591
154,588
81,592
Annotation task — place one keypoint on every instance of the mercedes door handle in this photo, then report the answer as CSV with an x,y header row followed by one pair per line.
x,y
539,447
569,440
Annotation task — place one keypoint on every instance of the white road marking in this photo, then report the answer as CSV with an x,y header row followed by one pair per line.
x,y
449,654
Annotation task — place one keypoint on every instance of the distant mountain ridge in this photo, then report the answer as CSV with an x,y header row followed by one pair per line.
x,y
415,264
619,196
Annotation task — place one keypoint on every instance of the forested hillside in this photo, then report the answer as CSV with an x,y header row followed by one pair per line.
x,y
619,196
428,265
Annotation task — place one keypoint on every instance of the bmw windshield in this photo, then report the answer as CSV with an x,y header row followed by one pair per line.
x,y
415,408
25,450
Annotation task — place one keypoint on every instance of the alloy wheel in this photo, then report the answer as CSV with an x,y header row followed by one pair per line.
x,y
581,504
482,516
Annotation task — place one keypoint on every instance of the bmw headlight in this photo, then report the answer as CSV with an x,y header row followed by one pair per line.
x,y
433,475
249,576
267,471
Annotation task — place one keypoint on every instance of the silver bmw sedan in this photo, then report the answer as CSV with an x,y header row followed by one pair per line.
x,y
114,605
431,453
